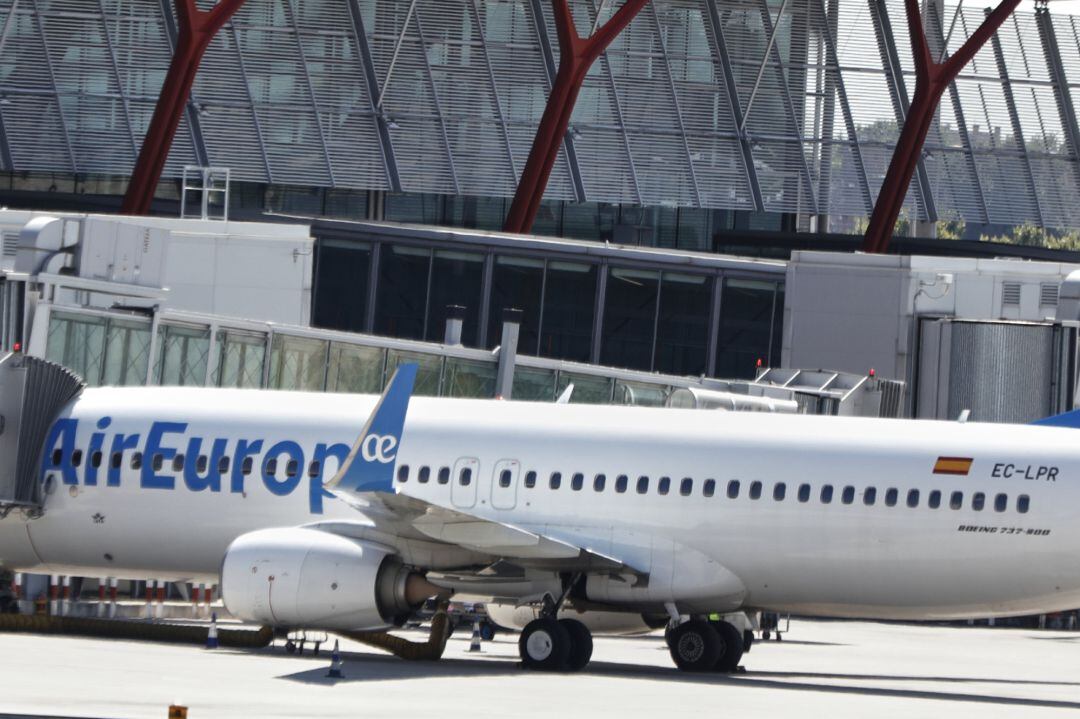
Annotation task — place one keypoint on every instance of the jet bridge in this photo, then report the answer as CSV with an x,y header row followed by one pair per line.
x,y
32,393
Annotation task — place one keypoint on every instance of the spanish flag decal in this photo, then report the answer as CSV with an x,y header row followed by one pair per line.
x,y
953,465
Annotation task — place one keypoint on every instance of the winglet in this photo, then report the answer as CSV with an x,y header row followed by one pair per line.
x,y
370,464
1066,419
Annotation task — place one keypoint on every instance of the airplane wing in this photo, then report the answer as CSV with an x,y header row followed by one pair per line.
x,y
365,481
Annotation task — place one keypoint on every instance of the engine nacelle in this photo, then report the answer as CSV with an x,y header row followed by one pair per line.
x,y
299,577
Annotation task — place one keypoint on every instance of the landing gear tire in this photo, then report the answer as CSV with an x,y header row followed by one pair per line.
x,y
581,644
544,645
731,653
747,640
695,646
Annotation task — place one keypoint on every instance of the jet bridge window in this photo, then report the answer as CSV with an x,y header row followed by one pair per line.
x,y
891,495
1023,504
136,460
642,485
620,483
733,489
424,475
686,487
804,492
598,482
465,477
779,491
577,481
76,458
956,500
556,480
403,473
869,496
504,478
755,490
978,501
1001,503
95,460
826,494
848,495
178,463
664,485
530,479
444,475
709,488
913,498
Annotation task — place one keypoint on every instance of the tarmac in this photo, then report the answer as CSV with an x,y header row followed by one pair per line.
x,y
833,669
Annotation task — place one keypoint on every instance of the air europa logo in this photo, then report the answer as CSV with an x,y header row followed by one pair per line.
x,y
378,448
171,456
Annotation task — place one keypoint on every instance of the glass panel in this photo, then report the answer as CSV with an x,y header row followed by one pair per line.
x,y
341,286
469,378
457,278
569,299
402,292
127,353
746,310
517,282
354,368
427,375
401,207
629,318
682,332
297,363
587,389
183,355
534,385
241,361
640,394
78,343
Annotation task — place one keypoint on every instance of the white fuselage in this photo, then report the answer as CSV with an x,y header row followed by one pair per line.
x,y
810,557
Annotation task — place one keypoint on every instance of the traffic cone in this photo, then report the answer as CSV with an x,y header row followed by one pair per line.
x,y
211,635
474,644
335,664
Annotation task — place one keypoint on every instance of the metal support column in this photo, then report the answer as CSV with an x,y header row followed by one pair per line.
x,y
435,97
1014,119
52,77
496,99
119,83
826,81
241,65
1062,93
737,116
894,77
311,91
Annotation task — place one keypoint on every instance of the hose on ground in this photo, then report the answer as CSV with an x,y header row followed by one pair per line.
x,y
120,629
402,648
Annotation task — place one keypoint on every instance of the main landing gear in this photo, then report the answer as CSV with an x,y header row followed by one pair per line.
x,y
551,644
701,645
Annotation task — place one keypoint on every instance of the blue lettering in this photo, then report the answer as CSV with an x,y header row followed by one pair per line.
x,y
212,480
150,478
62,432
120,443
316,490
288,484
97,440
244,449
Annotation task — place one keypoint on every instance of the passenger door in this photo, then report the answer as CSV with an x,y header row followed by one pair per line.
x,y
463,482
504,481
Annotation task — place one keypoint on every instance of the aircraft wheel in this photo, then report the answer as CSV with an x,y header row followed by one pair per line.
x,y
732,640
695,646
581,644
747,640
544,644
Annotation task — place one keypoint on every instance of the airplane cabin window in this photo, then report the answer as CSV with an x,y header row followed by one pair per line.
x,y
804,492
913,498
292,468
709,488
465,477
312,470
95,459
848,495
270,467
620,483
116,460
826,494
530,479
57,456
556,480
598,482
686,487
733,489
1001,503
891,496
136,460
223,466
869,496
424,475
577,481
504,478
76,458
779,491
755,490
178,463
663,485
978,501
200,464
956,500
1023,504
246,467
158,462
403,473
642,485
444,475
933,500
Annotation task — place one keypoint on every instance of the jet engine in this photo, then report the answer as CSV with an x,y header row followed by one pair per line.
x,y
307,578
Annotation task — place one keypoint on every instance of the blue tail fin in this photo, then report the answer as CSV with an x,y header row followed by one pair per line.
x,y
1066,419
370,465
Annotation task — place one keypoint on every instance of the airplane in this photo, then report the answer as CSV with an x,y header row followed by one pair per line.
x,y
334,511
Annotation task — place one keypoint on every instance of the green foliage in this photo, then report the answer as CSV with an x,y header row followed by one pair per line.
x,y
1031,235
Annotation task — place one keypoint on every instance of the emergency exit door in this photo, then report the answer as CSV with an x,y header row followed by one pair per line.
x,y
504,481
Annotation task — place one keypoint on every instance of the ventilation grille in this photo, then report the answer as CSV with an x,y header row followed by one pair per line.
x,y
10,242
1048,295
1010,293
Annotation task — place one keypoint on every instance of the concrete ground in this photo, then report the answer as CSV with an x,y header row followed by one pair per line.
x,y
834,669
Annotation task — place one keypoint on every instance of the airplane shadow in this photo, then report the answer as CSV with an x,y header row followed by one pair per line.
x,y
360,667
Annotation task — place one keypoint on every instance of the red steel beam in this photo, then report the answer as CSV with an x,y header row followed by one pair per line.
x,y
196,28
931,80
576,56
